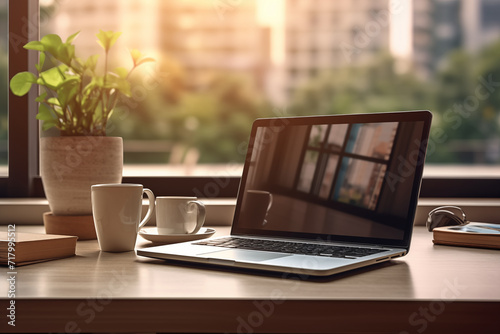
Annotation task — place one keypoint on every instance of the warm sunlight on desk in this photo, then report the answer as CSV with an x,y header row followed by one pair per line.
x,y
137,294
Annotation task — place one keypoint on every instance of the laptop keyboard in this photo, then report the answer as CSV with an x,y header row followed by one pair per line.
x,y
291,247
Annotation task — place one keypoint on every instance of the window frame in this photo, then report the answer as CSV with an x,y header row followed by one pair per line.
x,y
23,179
23,127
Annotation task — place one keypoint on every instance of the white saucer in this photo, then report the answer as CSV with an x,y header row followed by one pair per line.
x,y
151,234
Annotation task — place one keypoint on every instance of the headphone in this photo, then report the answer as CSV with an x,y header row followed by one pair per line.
x,y
442,216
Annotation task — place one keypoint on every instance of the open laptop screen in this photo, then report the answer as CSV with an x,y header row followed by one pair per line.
x,y
345,177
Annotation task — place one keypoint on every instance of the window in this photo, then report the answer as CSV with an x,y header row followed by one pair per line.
x,y
22,148
191,114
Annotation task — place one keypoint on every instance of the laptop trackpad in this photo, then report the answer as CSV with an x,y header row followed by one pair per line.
x,y
243,255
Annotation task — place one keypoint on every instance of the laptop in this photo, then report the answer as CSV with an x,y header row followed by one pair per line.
x,y
320,195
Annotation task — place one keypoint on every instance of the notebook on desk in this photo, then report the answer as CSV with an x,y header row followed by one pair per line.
x,y
321,195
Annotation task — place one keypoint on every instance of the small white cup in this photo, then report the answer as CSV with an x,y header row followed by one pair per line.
x,y
117,212
179,215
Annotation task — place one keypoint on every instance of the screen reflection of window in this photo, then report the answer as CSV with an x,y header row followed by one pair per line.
x,y
372,140
307,171
336,137
327,182
359,183
317,135
347,164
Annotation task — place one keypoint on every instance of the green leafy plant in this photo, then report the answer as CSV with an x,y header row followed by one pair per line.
x,y
75,98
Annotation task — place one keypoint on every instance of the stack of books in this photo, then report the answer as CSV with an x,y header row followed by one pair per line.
x,y
22,248
482,235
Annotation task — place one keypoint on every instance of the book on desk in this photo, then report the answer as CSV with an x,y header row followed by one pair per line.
x,y
481,235
22,248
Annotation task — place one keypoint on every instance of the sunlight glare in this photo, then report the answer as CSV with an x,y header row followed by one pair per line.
x,y
271,13
400,28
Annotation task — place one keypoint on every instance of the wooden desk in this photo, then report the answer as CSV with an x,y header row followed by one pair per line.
x,y
432,289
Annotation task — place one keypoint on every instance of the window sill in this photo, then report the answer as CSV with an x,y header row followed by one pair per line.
x,y
476,209
220,211
29,211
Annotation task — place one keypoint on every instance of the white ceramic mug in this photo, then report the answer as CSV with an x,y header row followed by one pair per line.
x,y
117,210
179,215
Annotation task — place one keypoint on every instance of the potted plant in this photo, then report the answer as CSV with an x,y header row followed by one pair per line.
x,y
77,98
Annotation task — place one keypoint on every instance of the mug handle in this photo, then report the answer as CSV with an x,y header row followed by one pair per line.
x,y
151,198
268,208
200,216
270,202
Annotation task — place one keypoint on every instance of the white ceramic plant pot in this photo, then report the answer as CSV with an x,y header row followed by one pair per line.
x,y
69,166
